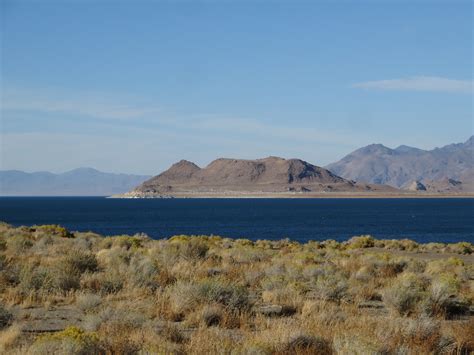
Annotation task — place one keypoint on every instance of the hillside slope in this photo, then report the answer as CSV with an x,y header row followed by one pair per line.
x,y
269,175
404,165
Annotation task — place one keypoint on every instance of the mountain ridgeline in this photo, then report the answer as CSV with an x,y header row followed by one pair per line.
x,y
446,169
374,169
271,175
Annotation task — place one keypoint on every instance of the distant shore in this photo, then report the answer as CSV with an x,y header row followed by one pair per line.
x,y
296,195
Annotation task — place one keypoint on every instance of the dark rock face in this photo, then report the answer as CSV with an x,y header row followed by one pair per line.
x,y
270,175
399,167
416,186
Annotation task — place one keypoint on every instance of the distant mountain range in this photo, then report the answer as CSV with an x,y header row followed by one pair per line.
x,y
238,177
77,182
374,168
449,168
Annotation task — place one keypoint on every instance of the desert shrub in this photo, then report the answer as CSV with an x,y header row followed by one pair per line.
x,y
244,242
72,340
405,293
364,274
442,301
306,344
365,241
127,242
121,331
435,247
34,278
143,272
66,279
19,243
88,301
5,317
461,248
79,261
212,315
233,296
331,288
391,268
461,333
416,266
358,344
212,340
398,244
66,272
10,338
195,249
3,244
52,230
247,255
173,334
422,334
102,282
184,296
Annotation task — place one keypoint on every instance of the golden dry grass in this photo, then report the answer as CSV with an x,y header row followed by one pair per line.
x,y
82,293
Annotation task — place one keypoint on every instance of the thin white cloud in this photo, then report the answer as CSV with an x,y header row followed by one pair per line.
x,y
92,105
419,83
158,139
270,130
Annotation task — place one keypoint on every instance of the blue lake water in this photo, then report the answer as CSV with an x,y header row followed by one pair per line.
x,y
423,220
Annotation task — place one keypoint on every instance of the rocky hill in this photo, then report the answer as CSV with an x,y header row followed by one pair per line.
x,y
77,182
271,175
404,166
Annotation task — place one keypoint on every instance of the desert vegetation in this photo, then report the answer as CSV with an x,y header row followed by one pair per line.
x,y
82,293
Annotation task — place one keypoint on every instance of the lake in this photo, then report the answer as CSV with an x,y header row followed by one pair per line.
x,y
423,220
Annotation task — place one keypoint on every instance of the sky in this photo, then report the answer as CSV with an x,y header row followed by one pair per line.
x,y
134,86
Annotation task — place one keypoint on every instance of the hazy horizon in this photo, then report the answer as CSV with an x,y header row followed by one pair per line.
x,y
200,165
132,87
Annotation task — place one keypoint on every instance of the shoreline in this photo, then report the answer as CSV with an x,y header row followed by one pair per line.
x,y
294,196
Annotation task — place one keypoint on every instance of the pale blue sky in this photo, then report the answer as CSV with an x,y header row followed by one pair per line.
x,y
134,86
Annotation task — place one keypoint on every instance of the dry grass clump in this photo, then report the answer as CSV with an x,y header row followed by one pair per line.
x,y
65,292
5,317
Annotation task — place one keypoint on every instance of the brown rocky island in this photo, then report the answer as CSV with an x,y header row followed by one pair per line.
x,y
271,177
268,177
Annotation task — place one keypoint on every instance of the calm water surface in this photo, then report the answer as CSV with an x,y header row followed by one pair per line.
x,y
424,220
